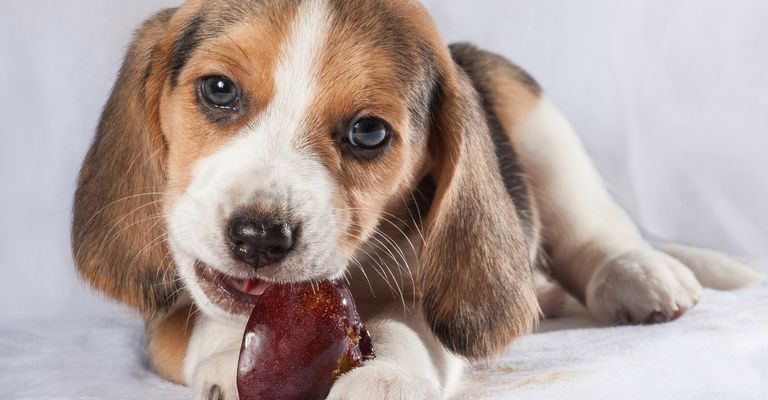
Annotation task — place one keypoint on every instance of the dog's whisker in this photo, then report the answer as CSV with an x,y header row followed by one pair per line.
x,y
365,275
346,278
126,198
136,158
397,227
420,225
399,219
394,243
385,267
192,311
175,292
378,268
401,253
119,221
122,230
152,244
384,247
402,267
146,161
398,285
165,266
163,283
178,280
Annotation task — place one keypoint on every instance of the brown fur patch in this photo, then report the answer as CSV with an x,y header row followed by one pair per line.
x,y
508,94
475,275
168,338
117,235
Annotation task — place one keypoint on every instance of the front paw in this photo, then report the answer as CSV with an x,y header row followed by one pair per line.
x,y
642,286
378,380
215,378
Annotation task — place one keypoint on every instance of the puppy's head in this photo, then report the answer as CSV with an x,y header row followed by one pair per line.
x,y
248,143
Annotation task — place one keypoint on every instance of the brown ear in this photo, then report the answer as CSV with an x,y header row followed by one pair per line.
x,y
475,274
118,235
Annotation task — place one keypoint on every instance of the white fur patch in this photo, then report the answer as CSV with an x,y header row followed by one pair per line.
x,y
212,357
596,248
411,364
266,164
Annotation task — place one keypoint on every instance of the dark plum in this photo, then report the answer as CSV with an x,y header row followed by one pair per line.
x,y
299,339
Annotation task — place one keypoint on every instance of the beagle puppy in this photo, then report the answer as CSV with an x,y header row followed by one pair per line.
x,y
248,143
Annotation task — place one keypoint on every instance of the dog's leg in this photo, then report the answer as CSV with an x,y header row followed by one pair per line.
x,y
168,339
596,251
210,366
410,363
189,348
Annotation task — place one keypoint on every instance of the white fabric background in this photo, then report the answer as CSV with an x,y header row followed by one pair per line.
x,y
670,96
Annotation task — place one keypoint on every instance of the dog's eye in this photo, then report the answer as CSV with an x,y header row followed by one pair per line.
x,y
368,133
220,92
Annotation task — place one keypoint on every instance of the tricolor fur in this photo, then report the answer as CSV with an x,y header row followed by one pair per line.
x,y
481,183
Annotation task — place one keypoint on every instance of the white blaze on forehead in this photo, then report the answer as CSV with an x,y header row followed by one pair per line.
x,y
297,69
267,165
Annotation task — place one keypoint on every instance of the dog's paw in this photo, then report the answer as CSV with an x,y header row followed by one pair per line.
x,y
380,381
215,378
642,286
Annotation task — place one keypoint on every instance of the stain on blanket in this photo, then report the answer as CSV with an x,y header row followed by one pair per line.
x,y
548,379
506,379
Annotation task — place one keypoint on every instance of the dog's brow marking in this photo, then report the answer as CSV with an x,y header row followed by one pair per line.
x,y
296,72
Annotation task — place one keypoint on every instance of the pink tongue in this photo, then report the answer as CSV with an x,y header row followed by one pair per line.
x,y
253,287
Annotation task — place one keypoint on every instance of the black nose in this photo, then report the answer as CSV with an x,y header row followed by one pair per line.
x,y
259,243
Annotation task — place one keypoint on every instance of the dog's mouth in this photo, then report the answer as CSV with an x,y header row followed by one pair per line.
x,y
233,295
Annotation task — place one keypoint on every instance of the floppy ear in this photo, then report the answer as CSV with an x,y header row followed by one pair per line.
x,y
475,274
118,234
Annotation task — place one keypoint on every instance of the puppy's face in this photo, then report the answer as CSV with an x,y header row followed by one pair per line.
x,y
290,128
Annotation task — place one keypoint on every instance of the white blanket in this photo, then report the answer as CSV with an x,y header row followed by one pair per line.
x,y
718,351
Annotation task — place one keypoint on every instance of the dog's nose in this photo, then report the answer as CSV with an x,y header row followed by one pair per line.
x,y
260,243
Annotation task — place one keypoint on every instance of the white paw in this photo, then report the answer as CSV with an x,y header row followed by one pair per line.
x,y
381,381
642,286
215,378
